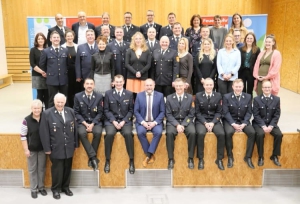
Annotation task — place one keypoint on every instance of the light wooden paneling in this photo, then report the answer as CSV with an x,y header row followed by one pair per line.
x,y
12,157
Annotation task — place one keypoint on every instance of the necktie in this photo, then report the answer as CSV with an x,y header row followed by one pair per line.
x,y
89,98
151,44
119,94
151,25
149,111
62,30
177,39
120,44
162,52
180,100
92,47
60,114
128,27
238,97
208,98
56,50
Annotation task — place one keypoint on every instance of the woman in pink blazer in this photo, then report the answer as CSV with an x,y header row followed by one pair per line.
x,y
267,66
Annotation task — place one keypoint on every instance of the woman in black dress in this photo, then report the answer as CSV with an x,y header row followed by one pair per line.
x,y
73,86
37,74
205,64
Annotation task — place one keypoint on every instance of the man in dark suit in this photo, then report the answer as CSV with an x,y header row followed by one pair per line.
x,y
266,112
54,61
129,28
177,34
150,23
105,31
84,57
149,110
118,47
81,27
208,115
166,68
118,110
58,132
168,30
105,21
237,111
152,44
180,115
88,111
60,28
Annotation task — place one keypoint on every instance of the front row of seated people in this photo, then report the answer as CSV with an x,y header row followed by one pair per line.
x,y
60,126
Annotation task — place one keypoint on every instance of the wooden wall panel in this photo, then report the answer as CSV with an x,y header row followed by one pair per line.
x,y
282,21
15,12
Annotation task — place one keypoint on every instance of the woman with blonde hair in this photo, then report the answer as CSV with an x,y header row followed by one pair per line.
x,y
267,66
185,63
205,64
33,149
237,24
228,64
137,62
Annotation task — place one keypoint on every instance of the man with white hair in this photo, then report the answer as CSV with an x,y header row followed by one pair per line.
x,y
58,132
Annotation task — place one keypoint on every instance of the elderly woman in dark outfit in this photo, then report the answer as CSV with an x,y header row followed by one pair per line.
x,y
33,149
37,74
102,67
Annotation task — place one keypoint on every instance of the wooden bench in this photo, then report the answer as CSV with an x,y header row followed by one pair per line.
x,y
7,80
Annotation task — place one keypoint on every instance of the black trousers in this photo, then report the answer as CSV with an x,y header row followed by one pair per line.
x,y
73,86
260,135
224,86
220,134
126,132
247,76
171,133
61,173
90,148
53,90
43,95
165,90
229,131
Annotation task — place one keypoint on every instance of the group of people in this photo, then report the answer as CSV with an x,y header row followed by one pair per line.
x,y
114,74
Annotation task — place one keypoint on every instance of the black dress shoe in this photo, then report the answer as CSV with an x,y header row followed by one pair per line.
x,y
249,162
171,164
275,160
201,164
95,163
131,167
34,194
43,192
68,192
56,195
220,164
191,163
260,161
230,162
107,167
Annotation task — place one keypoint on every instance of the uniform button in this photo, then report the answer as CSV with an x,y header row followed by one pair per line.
x,y
58,74
58,64
58,69
57,59
65,144
89,113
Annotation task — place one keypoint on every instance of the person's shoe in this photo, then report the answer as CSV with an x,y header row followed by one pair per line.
x,y
171,164
201,164
230,162
131,167
145,162
43,192
68,192
275,160
191,163
152,159
94,163
56,195
260,161
34,194
220,164
107,167
249,162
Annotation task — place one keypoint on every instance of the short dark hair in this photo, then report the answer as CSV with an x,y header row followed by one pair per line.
x,y
54,32
36,44
127,12
88,79
69,31
192,19
119,76
171,14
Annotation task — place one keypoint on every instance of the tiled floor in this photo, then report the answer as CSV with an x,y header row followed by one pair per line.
x,y
155,195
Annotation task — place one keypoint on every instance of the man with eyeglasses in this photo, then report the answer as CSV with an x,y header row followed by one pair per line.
x,y
150,24
266,112
237,38
129,28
